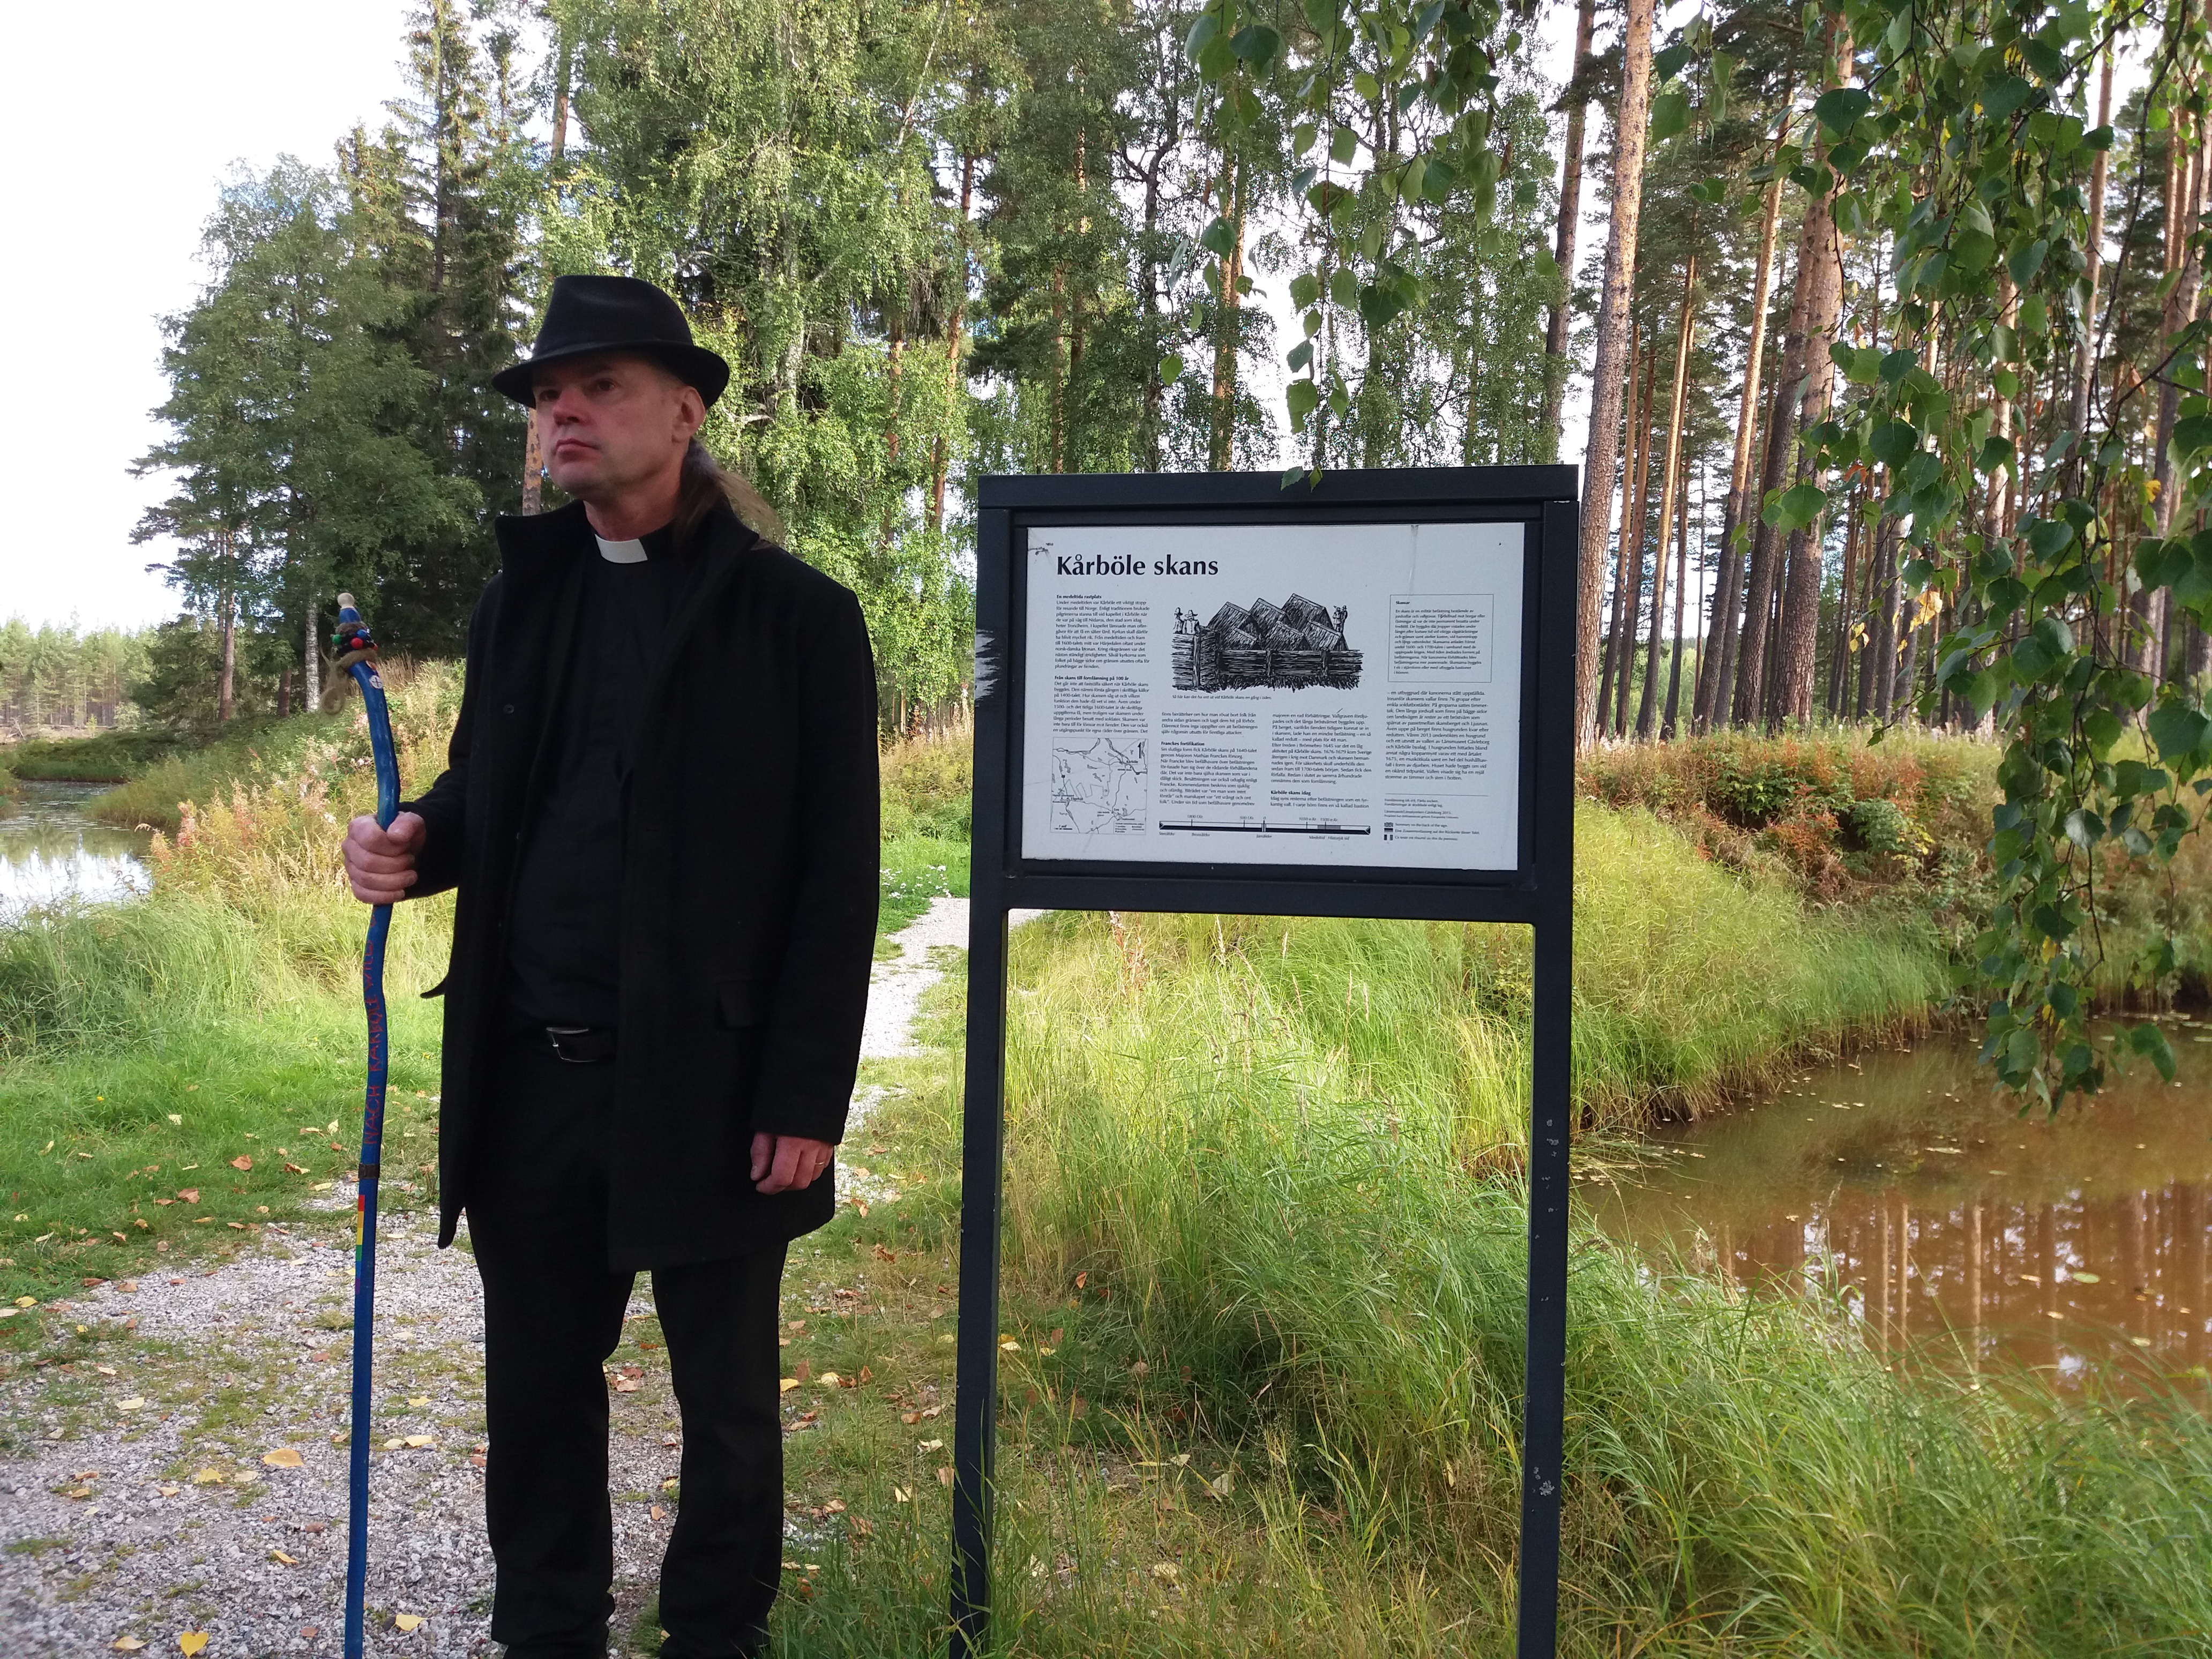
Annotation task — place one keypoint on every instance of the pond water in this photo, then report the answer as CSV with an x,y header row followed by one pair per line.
x,y
51,850
1951,1225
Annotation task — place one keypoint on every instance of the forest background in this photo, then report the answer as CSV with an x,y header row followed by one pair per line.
x,y
940,240
1905,299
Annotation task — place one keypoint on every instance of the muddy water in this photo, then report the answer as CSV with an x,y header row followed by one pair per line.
x,y
51,852
1952,1225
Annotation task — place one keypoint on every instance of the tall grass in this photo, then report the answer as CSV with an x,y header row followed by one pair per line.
x,y
1267,1165
926,781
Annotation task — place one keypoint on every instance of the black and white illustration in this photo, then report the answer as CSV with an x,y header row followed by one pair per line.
x,y
1283,646
1101,787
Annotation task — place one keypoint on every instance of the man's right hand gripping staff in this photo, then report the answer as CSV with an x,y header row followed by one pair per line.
x,y
380,862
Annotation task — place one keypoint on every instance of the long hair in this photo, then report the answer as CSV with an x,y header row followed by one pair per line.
x,y
706,485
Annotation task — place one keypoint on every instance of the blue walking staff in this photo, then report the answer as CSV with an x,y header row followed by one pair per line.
x,y
356,651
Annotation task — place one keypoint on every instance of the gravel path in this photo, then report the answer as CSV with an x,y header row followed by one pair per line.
x,y
196,1483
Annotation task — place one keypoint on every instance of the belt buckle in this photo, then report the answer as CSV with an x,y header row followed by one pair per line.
x,y
555,1036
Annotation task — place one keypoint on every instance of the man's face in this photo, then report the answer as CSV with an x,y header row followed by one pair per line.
x,y
608,424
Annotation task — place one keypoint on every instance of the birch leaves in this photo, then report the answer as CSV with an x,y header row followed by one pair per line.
x,y
1390,110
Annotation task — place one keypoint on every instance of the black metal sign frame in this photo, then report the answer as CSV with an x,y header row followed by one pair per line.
x,y
1538,893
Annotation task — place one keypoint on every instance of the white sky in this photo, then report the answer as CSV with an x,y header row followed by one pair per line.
x,y
115,205
112,178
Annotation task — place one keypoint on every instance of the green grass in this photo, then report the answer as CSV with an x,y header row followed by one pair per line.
x,y
1265,1238
145,1046
107,757
151,793
925,815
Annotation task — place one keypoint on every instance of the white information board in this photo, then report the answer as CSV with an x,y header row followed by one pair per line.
x,y
1346,694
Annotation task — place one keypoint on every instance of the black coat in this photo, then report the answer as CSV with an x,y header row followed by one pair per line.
x,y
749,876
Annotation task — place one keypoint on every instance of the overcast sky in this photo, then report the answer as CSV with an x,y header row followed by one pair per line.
x,y
112,182
118,157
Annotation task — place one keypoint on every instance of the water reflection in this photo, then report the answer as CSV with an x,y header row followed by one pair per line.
x,y
50,851
1953,1225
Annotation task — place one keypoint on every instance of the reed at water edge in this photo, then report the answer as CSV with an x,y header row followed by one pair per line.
x,y
1264,1172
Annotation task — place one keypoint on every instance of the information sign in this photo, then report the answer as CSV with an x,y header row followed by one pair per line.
x,y
1210,693
1329,693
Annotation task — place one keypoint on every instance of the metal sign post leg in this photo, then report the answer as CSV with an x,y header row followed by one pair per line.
x,y
1544,1407
982,1167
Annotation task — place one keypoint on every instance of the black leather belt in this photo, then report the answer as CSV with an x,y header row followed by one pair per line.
x,y
581,1045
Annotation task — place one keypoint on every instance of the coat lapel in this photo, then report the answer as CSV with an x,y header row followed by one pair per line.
x,y
542,558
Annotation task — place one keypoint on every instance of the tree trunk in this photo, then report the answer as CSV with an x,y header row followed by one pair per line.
x,y
2143,605
940,458
1221,449
225,684
1839,637
311,678
894,367
1632,124
533,468
1631,514
2085,364
1781,430
1571,207
1668,730
1820,272
1728,591
1875,669
284,692
564,72
1630,598
1647,704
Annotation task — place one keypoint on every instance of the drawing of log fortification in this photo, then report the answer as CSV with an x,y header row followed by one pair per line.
x,y
1289,645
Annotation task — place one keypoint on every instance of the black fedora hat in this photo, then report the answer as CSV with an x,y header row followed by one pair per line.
x,y
590,314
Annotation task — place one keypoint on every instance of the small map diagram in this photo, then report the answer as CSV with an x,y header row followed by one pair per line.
x,y
1102,788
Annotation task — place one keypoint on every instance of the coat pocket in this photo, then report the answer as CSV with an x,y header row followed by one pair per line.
x,y
742,1003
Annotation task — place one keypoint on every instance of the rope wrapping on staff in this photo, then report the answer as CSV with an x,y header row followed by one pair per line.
x,y
357,651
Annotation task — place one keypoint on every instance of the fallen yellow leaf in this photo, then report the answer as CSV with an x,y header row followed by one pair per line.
x,y
902,1495
787,1385
418,1399
128,1644
422,1440
283,1559
26,1301
192,1641
283,1458
136,1403
208,1478
408,1620
393,1444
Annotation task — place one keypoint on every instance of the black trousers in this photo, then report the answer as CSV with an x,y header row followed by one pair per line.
x,y
553,1313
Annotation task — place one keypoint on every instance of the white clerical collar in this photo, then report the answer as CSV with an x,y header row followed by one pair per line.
x,y
620,552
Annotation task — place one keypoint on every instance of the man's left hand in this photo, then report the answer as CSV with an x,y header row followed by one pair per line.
x,y
788,1161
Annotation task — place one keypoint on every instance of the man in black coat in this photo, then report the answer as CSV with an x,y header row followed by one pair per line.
x,y
660,815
